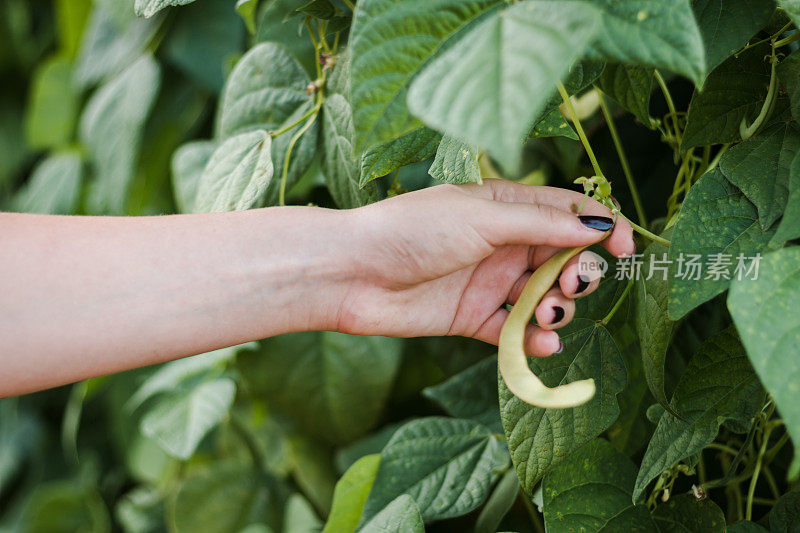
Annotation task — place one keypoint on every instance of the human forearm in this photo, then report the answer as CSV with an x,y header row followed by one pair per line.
x,y
86,296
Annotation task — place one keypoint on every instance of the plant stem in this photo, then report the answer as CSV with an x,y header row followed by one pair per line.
x,y
670,104
283,130
773,486
623,159
618,304
349,4
790,39
766,108
532,512
723,448
577,123
287,158
650,235
754,480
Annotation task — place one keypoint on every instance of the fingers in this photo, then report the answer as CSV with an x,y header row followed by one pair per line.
x,y
619,243
538,342
582,275
555,310
536,224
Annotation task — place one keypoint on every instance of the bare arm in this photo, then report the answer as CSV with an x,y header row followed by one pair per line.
x,y
87,296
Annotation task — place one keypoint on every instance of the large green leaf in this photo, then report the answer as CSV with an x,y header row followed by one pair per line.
x,y
179,421
553,124
591,491
387,157
447,465
276,23
653,326
237,175
539,439
654,33
762,311
53,105
471,394
267,90
685,514
455,162
716,218
400,516
340,165
108,47
148,8
203,40
760,167
188,163
334,385
789,227
788,72
785,515
54,186
718,385
494,106
390,41
726,25
351,493
111,129
733,91
222,498
792,8
630,87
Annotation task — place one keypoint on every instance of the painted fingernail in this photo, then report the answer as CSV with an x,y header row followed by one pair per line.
x,y
583,284
596,222
560,347
558,314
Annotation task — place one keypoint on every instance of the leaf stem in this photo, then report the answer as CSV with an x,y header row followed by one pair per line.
x,y
283,130
577,123
670,104
289,148
618,304
766,108
645,233
533,513
623,159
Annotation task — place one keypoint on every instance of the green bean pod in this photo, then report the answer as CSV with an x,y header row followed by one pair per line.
x,y
511,359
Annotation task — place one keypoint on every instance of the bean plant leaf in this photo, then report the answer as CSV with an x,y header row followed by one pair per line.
x,y
400,516
630,87
591,491
762,311
447,465
746,526
267,90
387,157
148,8
685,514
792,8
390,41
761,167
785,515
223,496
180,421
111,129
716,218
726,25
351,493
539,439
719,384
553,124
470,394
53,105
70,22
188,163
495,106
653,326
108,47
340,165
788,72
237,175
499,503
276,24
651,33
54,186
455,162
335,385
734,91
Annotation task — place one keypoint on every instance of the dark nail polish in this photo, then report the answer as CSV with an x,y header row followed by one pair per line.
x,y
583,284
596,222
560,348
558,314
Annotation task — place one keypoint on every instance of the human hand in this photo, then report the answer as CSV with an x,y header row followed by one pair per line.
x,y
445,260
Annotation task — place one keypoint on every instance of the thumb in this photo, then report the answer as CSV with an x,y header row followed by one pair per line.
x,y
532,224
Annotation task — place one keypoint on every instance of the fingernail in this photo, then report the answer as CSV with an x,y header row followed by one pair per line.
x,y
560,347
583,284
596,222
558,314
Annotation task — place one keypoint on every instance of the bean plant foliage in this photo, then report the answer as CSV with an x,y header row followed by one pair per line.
x,y
689,108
